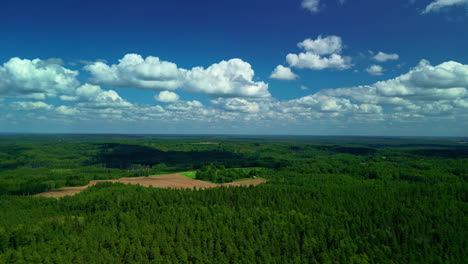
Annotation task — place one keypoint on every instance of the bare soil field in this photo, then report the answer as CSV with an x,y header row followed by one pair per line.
x,y
172,181
253,182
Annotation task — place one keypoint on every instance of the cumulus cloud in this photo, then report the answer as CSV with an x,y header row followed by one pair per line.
x,y
232,78
383,57
365,94
65,110
324,103
313,57
226,78
311,5
166,97
26,105
107,99
462,103
33,107
93,96
449,78
322,46
325,107
424,91
35,79
437,5
315,62
185,106
283,73
375,70
428,109
135,72
85,92
236,105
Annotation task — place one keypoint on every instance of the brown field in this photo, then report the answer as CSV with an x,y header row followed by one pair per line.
x,y
172,181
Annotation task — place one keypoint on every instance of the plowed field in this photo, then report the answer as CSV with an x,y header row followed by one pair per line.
x,y
173,181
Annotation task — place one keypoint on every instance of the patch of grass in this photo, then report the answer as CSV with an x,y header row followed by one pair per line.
x,y
189,174
192,174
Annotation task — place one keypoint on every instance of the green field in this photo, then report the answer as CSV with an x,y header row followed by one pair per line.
x,y
189,174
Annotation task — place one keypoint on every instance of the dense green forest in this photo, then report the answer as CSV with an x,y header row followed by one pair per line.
x,y
219,174
327,200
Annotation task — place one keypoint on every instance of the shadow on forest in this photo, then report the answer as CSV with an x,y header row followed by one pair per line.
x,y
348,150
443,153
123,156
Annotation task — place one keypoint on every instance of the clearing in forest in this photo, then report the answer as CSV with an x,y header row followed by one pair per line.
x,y
172,181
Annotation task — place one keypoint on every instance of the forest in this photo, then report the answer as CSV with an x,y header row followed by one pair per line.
x,y
326,200
219,174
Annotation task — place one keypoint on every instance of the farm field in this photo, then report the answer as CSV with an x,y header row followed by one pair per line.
x,y
169,181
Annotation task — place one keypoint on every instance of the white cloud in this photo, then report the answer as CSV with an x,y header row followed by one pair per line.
x,y
107,99
86,92
185,106
463,103
226,78
440,4
236,105
365,94
315,62
283,73
303,87
375,70
425,90
92,96
449,78
35,79
26,105
322,46
65,110
429,109
313,58
322,107
383,57
166,97
426,93
314,5
135,72
324,103
369,109
311,5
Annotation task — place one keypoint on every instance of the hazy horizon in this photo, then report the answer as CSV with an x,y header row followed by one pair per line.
x,y
227,136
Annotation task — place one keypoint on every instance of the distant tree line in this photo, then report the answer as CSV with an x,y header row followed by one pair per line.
x,y
219,174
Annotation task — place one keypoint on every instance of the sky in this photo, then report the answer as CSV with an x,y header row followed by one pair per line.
x,y
305,67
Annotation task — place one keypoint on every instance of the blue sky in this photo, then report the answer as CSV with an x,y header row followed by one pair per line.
x,y
312,67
